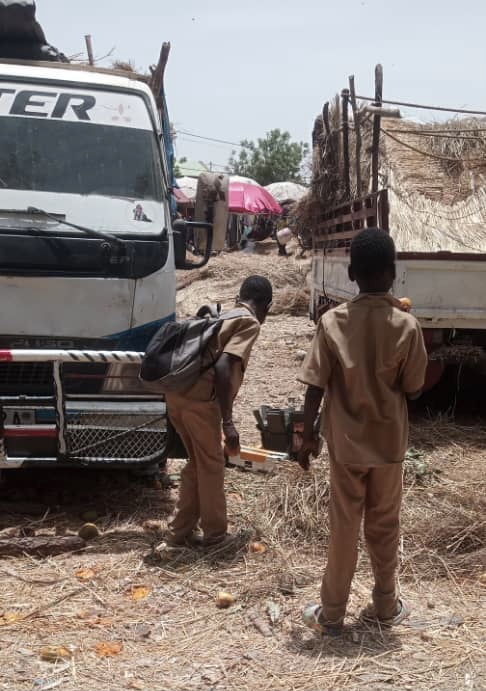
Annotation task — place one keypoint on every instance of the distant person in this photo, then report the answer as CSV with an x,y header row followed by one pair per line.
x,y
203,415
369,356
281,224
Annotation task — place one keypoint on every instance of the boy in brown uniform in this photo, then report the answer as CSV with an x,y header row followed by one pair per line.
x,y
368,355
203,413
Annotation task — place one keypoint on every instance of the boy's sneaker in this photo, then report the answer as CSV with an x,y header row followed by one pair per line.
x,y
403,611
313,619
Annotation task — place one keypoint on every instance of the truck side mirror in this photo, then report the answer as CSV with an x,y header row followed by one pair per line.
x,y
180,230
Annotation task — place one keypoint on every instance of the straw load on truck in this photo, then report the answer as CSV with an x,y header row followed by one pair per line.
x,y
434,174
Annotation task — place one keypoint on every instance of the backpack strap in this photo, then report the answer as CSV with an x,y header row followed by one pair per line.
x,y
237,312
231,314
209,311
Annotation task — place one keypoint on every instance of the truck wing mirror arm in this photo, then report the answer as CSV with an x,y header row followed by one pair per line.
x,y
180,228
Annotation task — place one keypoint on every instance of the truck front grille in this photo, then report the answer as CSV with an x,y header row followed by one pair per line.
x,y
26,377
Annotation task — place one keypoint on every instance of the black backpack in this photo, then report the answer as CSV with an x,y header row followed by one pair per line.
x,y
177,355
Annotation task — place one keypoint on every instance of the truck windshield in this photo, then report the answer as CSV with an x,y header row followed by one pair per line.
x,y
78,158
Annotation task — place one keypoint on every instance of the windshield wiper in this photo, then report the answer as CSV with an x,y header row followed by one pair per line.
x,y
33,210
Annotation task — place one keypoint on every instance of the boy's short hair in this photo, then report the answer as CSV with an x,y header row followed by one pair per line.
x,y
372,252
258,289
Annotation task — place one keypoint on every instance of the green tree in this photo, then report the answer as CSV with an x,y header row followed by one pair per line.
x,y
273,159
177,170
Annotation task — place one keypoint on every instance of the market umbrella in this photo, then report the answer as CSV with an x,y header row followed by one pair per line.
x,y
180,197
251,198
188,186
244,180
286,191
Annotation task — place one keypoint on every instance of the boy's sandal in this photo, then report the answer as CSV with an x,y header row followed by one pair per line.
x,y
193,540
226,541
312,615
369,614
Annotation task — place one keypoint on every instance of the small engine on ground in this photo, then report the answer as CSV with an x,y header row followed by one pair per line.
x,y
281,429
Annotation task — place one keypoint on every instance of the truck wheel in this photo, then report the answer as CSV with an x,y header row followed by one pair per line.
x,y
435,370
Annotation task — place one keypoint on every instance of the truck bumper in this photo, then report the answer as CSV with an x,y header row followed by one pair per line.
x,y
110,428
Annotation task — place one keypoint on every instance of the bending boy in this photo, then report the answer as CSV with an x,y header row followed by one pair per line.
x,y
204,414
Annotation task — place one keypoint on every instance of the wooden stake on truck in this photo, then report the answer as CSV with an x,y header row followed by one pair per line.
x,y
376,129
357,134
345,125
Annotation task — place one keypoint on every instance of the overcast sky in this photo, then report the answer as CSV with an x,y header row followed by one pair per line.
x,y
239,69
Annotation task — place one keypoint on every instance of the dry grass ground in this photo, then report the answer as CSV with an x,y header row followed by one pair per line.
x,y
130,618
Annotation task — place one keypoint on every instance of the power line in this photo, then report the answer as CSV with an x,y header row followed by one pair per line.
x,y
197,141
418,105
209,139
209,170
441,134
421,151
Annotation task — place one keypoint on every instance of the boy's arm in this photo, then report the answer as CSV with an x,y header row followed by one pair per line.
x,y
316,371
310,444
415,365
236,354
223,370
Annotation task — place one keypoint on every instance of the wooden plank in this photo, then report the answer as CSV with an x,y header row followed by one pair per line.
x,y
368,200
344,235
343,222
443,256
337,251
363,214
325,118
89,48
382,112
357,133
157,79
375,147
40,546
345,128
383,210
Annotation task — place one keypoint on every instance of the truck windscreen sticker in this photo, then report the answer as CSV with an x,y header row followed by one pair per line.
x,y
96,107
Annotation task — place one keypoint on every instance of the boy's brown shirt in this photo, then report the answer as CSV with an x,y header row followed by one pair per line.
x,y
368,354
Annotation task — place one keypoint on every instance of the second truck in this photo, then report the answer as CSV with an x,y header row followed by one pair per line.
x,y
426,185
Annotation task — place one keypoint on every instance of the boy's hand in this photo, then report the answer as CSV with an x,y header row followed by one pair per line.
x,y
405,304
308,448
231,437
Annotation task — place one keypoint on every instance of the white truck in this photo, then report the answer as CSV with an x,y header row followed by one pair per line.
x,y
425,184
88,255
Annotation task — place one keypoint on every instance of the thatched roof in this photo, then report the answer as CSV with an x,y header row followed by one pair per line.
x,y
435,175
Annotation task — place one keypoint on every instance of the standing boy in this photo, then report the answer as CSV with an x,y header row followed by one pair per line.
x,y
202,415
369,356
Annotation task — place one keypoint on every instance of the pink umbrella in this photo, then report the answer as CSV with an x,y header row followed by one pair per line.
x,y
248,198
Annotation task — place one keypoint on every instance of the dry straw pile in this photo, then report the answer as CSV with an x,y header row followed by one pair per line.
x,y
435,174
122,615
289,277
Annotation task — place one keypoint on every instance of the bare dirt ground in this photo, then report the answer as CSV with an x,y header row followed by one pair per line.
x,y
129,618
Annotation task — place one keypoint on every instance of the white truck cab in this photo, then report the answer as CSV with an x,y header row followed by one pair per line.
x,y
87,265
